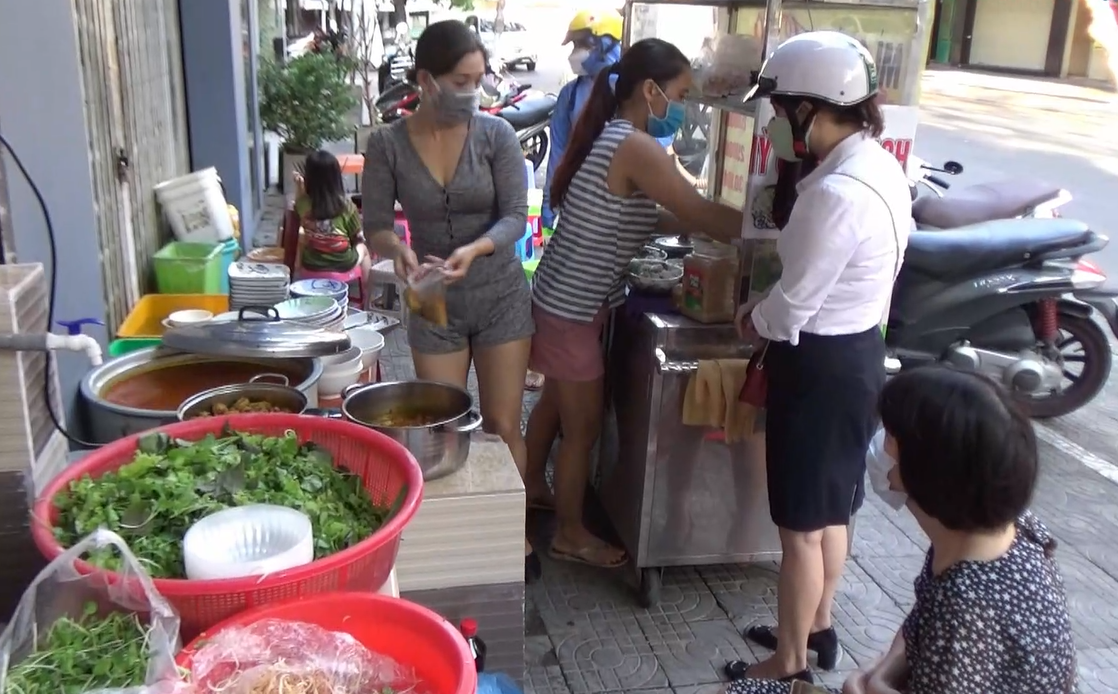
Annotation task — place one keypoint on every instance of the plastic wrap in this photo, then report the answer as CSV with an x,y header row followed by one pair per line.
x,y
499,683
426,293
59,591
728,65
276,656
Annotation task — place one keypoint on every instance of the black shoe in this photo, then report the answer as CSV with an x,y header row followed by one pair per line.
x,y
739,670
823,643
532,567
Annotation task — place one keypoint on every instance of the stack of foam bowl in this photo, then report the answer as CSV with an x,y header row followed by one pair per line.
x,y
253,540
369,341
339,371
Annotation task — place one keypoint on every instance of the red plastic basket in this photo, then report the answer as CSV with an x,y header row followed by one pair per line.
x,y
410,634
384,466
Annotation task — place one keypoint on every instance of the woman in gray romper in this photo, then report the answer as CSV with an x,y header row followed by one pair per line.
x,y
459,176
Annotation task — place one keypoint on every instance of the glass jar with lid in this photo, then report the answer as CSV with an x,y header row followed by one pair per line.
x,y
709,276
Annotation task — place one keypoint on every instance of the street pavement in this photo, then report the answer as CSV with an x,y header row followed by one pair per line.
x,y
585,631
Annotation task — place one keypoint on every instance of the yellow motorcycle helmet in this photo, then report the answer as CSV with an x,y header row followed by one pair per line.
x,y
609,23
582,26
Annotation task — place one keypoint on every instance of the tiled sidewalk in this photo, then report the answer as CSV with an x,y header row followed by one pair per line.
x,y
586,634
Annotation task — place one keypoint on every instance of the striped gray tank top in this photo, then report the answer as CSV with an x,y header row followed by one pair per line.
x,y
598,233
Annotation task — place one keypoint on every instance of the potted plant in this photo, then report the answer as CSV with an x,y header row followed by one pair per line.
x,y
307,102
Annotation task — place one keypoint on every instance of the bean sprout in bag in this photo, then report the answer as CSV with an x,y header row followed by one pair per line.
x,y
76,633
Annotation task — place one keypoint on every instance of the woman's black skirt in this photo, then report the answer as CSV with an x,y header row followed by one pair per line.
x,y
821,414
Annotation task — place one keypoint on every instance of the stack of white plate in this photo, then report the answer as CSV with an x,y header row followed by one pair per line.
x,y
339,291
317,311
257,284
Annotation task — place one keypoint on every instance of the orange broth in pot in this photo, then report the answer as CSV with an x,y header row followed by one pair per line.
x,y
164,388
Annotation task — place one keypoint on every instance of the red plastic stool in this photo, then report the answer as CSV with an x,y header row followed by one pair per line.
x,y
347,278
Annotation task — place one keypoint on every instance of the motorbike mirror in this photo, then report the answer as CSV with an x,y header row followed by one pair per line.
x,y
952,167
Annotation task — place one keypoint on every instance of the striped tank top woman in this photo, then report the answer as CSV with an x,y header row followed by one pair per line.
x,y
584,265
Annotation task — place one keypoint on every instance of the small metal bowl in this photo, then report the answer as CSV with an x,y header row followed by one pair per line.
x,y
285,397
670,276
253,540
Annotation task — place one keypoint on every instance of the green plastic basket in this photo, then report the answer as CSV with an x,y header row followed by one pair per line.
x,y
188,268
125,345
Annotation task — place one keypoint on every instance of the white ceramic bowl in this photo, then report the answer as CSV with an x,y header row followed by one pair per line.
x,y
332,383
369,341
342,361
189,317
252,540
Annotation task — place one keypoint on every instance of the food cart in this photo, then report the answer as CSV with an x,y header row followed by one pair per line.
x,y
676,494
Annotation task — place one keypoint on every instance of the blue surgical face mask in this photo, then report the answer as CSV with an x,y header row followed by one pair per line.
x,y
672,120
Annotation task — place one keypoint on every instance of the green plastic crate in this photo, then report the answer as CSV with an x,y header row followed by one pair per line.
x,y
130,344
188,268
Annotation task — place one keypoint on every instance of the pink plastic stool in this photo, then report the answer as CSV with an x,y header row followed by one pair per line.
x,y
347,278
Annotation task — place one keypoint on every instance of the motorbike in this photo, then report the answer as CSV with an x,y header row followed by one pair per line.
x,y
527,110
394,68
1012,298
944,208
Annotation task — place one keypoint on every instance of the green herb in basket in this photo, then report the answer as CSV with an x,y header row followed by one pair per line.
x,y
169,485
83,655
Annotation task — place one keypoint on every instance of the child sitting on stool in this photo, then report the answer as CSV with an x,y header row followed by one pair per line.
x,y
332,237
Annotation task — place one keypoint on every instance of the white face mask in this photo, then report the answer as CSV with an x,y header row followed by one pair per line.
x,y
577,58
879,463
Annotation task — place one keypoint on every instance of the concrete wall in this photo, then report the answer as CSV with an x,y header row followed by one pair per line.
x,y
216,98
42,115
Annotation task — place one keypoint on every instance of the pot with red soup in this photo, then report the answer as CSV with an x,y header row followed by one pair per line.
x,y
145,388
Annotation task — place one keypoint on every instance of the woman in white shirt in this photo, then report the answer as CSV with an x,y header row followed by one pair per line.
x,y
822,322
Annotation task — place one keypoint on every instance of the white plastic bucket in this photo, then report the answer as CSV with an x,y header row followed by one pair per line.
x,y
195,207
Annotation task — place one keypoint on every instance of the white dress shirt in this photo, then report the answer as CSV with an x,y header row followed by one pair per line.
x,y
841,248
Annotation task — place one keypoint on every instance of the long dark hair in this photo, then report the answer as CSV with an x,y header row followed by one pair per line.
x,y
648,59
322,180
442,45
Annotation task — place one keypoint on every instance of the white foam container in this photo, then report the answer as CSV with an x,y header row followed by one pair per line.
x,y
253,540
195,207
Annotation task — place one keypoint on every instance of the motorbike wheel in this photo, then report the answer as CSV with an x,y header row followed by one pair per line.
x,y
1081,342
535,149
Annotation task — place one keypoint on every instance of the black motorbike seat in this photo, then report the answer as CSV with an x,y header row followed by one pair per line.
x,y
528,111
981,203
991,245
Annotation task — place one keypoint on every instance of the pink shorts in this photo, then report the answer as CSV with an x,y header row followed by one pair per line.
x,y
568,350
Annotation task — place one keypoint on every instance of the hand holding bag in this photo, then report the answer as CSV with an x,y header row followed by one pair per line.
x,y
756,386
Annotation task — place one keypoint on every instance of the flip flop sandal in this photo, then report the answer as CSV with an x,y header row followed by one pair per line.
x,y
541,507
580,557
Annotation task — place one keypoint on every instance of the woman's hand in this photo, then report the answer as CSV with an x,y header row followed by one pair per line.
x,y
406,264
458,264
743,321
876,684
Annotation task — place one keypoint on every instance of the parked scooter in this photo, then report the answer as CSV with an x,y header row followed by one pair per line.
x,y
1007,199
1011,298
528,111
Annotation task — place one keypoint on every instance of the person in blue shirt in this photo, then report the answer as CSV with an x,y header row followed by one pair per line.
x,y
595,40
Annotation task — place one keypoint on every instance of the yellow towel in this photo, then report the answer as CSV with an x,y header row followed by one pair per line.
x,y
711,399
703,402
739,416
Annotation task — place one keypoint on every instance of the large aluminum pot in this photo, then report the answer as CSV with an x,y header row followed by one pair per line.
x,y
442,443
287,398
110,421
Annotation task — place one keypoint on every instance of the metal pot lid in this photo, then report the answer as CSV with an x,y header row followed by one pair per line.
x,y
257,332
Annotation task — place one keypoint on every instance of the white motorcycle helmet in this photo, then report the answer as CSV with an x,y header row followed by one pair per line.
x,y
818,66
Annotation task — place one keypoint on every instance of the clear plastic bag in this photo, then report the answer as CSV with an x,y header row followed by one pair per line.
x,y
426,293
728,65
275,656
499,683
60,592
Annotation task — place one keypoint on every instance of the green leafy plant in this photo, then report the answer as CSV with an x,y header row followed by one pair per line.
x,y
307,100
170,484
84,654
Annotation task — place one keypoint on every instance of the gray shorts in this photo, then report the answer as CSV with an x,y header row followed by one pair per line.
x,y
477,317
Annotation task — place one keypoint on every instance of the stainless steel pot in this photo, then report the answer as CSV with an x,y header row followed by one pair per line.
x,y
285,397
109,421
442,446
